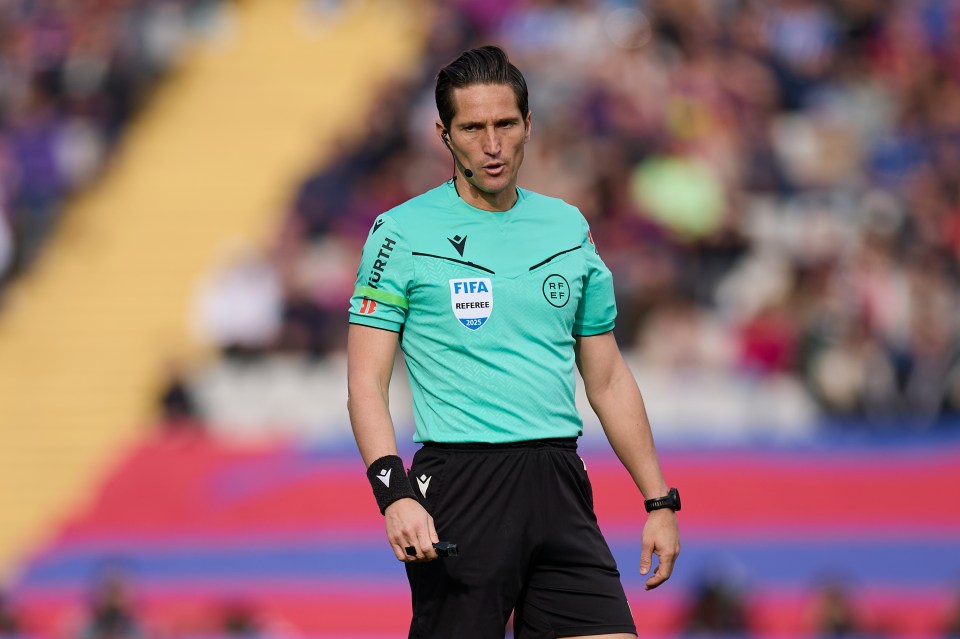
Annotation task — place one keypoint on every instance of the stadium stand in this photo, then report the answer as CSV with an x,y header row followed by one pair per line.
x,y
776,186
72,77
812,257
84,335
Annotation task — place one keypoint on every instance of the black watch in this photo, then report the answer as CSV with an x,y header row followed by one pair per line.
x,y
671,501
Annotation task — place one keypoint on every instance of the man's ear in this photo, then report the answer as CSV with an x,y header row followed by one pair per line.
x,y
528,125
442,132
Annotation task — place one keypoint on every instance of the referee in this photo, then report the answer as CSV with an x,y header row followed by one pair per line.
x,y
494,293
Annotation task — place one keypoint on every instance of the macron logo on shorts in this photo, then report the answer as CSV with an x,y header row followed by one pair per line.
x,y
424,482
384,476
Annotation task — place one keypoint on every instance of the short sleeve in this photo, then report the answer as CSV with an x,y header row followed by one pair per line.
x,y
380,297
597,312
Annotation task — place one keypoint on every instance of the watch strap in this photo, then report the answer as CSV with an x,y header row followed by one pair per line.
x,y
671,500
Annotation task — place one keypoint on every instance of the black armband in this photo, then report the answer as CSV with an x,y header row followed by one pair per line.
x,y
389,481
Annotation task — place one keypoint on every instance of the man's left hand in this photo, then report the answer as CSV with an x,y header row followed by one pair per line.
x,y
661,537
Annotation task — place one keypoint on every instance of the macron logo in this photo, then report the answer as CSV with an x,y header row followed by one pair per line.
x,y
459,243
384,476
424,482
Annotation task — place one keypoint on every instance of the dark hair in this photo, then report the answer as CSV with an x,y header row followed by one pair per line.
x,y
486,65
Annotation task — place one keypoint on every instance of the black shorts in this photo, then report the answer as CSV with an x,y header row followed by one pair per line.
x,y
522,516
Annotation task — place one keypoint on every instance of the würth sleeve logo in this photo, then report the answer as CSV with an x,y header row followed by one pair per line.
x,y
472,301
380,263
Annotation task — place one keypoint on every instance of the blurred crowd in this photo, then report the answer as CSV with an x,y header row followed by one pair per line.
x,y
775,185
716,606
72,74
114,610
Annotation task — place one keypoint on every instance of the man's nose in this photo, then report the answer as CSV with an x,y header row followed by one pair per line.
x,y
491,141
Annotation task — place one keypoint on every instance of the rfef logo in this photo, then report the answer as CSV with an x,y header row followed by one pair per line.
x,y
472,301
556,290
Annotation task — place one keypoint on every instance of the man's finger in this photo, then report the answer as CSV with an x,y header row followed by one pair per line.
x,y
663,571
434,538
667,560
646,558
656,579
426,551
398,551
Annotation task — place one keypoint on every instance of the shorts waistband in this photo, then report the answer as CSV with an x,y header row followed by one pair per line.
x,y
568,443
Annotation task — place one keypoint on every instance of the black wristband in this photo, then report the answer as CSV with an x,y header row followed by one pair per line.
x,y
389,481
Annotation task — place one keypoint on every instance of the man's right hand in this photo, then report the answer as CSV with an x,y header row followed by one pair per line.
x,y
410,525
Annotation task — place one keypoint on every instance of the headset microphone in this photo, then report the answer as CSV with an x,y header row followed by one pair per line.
x,y
466,172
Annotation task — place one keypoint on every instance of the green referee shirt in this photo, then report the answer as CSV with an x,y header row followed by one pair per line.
x,y
487,305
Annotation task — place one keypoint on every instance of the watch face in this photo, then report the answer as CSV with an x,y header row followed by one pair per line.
x,y
674,496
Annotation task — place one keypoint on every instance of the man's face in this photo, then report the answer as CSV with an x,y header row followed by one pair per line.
x,y
488,134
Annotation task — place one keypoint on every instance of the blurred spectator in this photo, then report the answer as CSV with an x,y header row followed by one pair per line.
x,y
239,306
306,328
952,628
717,610
835,614
178,408
6,248
9,624
111,614
239,620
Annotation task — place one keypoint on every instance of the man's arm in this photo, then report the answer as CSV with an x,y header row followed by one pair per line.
x,y
615,397
370,356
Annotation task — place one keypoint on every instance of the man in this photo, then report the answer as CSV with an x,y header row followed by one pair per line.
x,y
494,292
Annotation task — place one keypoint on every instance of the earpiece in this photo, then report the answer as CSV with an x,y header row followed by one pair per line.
x,y
445,136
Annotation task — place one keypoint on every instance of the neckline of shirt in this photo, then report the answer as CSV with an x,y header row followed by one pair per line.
x,y
454,196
